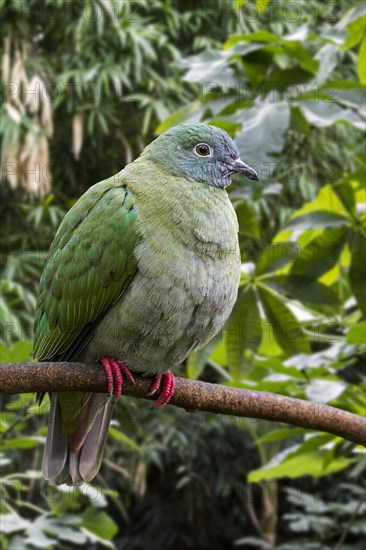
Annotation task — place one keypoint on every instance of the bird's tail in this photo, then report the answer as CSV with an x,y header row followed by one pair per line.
x,y
76,458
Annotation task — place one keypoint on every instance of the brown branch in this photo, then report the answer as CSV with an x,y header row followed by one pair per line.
x,y
190,395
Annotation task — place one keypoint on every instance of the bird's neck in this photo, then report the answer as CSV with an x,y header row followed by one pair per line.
x,y
189,209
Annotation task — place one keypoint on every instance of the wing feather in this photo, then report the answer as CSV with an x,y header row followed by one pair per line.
x,y
89,264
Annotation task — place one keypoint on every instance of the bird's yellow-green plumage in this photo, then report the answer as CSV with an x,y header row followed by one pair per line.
x,y
145,268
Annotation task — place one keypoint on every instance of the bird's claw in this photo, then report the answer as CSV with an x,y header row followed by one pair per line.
x,y
166,382
115,370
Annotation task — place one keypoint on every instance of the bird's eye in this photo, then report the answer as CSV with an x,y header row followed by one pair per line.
x,y
202,150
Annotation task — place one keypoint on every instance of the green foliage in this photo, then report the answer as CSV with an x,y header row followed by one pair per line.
x,y
287,81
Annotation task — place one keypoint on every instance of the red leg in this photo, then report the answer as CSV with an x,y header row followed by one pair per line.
x,y
109,372
167,383
115,372
118,379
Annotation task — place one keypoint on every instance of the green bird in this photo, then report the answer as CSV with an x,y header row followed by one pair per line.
x,y
144,269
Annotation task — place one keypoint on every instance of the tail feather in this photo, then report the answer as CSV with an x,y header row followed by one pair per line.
x,y
91,453
55,454
77,458
73,464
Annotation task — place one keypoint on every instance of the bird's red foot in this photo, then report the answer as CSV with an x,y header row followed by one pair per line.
x,y
115,371
166,382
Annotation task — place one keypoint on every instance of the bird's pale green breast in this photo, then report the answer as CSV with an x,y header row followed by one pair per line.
x,y
188,267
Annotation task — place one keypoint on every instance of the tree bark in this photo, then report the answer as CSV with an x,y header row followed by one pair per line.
x,y
191,395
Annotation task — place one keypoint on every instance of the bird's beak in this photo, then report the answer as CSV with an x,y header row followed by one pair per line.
x,y
239,167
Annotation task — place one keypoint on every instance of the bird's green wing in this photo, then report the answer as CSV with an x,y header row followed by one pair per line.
x,y
89,264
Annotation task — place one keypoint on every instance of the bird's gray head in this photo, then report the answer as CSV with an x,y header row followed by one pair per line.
x,y
201,152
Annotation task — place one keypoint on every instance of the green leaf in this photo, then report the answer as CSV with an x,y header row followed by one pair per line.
x,y
248,225
243,330
286,328
302,465
260,36
196,361
346,194
275,256
230,127
357,334
209,67
318,218
324,391
320,254
17,352
39,530
298,122
314,441
12,522
20,443
357,271
304,289
99,523
264,132
349,93
261,5
125,439
239,4
326,200
327,57
361,63
323,114
282,433
355,33
269,347
187,113
64,528
306,61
